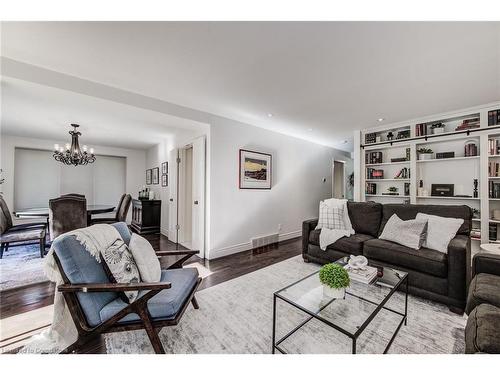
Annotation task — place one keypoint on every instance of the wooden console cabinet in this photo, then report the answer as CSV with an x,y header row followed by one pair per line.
x,y
146,216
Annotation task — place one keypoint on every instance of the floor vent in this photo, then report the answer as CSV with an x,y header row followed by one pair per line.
x,y
264,241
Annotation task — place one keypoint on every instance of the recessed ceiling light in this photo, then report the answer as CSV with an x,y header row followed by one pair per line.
x,y
269,115
381,119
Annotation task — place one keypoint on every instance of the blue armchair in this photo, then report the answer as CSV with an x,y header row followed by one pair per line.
x,y
95,303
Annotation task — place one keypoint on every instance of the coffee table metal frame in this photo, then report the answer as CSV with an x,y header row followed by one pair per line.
x,y
352,336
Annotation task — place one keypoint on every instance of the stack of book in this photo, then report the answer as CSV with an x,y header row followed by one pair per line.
x,y
493,169
494,189
493,146
371,188
420,129
494,117
372,173
475,233
467,124
470,150
365,275
374,157
403,173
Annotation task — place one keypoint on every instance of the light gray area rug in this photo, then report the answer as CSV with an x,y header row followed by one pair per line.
x,y
21,265
236,317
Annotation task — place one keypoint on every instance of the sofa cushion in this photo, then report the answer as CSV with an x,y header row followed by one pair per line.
x,y
409,211
482,333
484,288
365,217
424,260
350,245
164,305
22,235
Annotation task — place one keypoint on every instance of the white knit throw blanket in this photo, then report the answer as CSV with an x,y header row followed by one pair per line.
x,y
62,331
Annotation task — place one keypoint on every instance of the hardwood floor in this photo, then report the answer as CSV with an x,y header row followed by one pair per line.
x,y
23,299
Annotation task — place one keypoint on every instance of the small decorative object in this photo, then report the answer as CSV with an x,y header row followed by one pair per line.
x,y
424,153
445,155
156,176
475,194
334,279
148,176
471,148
390,136
402,134
438,128
378,139
144,193
164,180
151,195
476,214
164,168
370,138
357,262
496,214
255,170
407,189
442,190
392,190
420,190
73,154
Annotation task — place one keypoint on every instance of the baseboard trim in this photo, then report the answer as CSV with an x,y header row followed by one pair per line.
x,y
233,249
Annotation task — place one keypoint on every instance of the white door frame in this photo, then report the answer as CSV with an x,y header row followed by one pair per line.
x,y
333,178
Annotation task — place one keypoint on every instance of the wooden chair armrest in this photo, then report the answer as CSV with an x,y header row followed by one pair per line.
x,y
176,252
112,287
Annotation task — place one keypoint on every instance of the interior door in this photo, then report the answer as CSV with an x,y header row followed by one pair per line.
x,y
172,199
198,205
338,180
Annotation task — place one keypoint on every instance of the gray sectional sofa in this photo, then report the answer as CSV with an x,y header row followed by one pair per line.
x,y
432,274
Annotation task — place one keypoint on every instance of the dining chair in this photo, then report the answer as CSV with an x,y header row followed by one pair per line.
x,y
66,213
73,195
19,235
121,212
94,300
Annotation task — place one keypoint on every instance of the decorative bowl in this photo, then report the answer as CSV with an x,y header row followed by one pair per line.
x,y
357,262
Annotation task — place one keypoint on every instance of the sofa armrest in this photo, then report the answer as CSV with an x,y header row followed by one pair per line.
x,y
486,263
307,227
458,258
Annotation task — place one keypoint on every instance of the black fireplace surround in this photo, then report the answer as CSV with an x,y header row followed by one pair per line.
x,y
432,274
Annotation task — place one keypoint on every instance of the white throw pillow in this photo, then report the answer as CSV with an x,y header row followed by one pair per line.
x,y
341,203
440,231
145,258
330,217
409,233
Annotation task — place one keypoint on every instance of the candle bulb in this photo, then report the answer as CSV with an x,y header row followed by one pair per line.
x,y
67,146
84,148
92,151
56,147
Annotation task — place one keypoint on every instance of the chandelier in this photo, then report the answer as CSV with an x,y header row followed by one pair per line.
x,y
73,154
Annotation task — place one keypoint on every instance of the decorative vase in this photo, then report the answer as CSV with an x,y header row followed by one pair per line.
x,y
333,293
424,156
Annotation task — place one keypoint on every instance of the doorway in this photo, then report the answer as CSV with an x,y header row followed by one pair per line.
x,y
187,196
338,179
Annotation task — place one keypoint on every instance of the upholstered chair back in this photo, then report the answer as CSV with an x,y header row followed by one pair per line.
x,y
73,195
81,267
5,218
66,213
123,207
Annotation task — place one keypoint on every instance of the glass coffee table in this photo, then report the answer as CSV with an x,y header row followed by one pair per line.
x,y
349,315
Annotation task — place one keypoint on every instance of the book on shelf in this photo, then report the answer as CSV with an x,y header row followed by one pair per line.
x,y
493,146
364,275
493,168
494,117
467,124
374,157
403,173
371,188
470,149
421,130
494,189
374,174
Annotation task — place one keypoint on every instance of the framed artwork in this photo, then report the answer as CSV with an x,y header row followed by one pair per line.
x,y
164,168
255,170
164,180
156,176
148,176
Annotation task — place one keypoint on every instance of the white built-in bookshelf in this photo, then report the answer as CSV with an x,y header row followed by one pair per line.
x,y
468,142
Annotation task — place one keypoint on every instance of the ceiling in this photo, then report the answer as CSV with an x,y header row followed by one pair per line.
x,y
38,111
319,80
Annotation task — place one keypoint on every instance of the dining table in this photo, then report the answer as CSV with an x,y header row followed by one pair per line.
x,y
92,209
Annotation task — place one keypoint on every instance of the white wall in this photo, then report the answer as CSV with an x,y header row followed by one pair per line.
x,y
299,168
135,171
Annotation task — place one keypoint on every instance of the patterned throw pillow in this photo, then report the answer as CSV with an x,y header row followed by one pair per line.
x,y
122,266
330,217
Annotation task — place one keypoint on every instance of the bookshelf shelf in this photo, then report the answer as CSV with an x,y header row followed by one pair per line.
x,y
449,198
475,239
388,163
494,178
494,221
459,158
387,196
386,179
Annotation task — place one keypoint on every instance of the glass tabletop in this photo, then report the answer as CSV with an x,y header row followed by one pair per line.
x,y
360,301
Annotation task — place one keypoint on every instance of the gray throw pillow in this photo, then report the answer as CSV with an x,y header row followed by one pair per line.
x,y
409,233
122,266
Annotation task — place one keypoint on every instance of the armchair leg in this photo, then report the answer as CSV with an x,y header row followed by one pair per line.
x,y
151,331
2,248
195,303
42,247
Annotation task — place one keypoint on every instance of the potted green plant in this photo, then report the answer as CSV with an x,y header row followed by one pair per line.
x,y
392,190
424,153
335,279
438,128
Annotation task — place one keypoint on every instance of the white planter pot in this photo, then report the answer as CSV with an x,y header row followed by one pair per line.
x,y
333,293
424,156
437,130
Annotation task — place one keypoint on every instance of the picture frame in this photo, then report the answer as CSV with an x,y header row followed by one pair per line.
x,y
164,180
255,170
148,176
164,168
156,176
